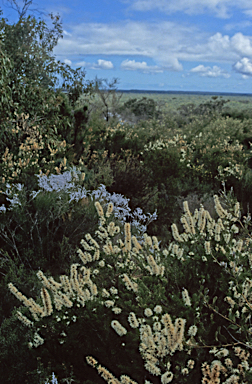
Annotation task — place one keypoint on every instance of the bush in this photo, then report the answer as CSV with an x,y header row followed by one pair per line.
x,y
144,108
149,312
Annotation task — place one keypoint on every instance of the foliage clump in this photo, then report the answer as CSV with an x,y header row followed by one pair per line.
x,y
167,310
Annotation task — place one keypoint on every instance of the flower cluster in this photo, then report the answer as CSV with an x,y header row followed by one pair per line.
x,y
130,265
35,152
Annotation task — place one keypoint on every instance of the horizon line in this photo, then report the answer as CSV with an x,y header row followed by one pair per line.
x,y
185,92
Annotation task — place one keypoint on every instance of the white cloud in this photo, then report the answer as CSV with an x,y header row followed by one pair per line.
x,y
220,8
221,48
241,25
68,62
242,44
158,41
82,64
244,66
248,12
215,71
132,65
101,64
168,44
66,33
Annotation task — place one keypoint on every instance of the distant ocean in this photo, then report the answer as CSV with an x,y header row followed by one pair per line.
x,y
184,92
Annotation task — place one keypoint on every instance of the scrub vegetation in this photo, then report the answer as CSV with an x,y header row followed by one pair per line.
x,y
125,233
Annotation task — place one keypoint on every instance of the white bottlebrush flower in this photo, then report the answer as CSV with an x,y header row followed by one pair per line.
x,y
155,243
192,330
126,380
157,326
109,303
101,263
190,364
223,352
105,293
91,240
230,301
116,310
222,213
120,330
167,377
237,210
24,319
185,224
245,365
85,257
158,309
130,285
99,209
152,368
234,228
175,233
239,245
48,310
148,312
113,290
37,340
175,249
132,319
186,207
186,298
227,237
207,247
109,209
229,363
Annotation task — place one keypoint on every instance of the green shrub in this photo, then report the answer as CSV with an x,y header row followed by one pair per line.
x,y
183,309
17,361
144,108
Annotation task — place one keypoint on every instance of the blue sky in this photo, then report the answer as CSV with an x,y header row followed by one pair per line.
x,y
186,45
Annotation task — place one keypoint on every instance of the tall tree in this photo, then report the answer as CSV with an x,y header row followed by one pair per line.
x,y
35,72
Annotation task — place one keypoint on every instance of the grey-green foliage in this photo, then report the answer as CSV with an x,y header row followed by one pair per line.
x,y
5,68
144,108
34,73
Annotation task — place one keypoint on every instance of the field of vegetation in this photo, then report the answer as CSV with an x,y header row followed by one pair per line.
x,y
172,102
125,233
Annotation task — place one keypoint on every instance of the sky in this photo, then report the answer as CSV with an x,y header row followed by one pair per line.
x,y
168,45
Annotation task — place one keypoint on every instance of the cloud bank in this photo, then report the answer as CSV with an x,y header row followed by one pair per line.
x,y
244,66
167,44
101,64
215,71
132,65
219,8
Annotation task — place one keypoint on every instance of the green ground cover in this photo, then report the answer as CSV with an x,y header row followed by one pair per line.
x,y
171,102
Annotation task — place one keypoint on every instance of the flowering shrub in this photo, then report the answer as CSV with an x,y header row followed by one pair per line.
x,y
140,311
31,149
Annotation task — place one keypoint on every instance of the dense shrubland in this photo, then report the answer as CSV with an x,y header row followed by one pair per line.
x,y
125,246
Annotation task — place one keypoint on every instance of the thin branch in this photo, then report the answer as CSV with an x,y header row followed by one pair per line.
x,y
218,313
22,11
216,346
237,341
